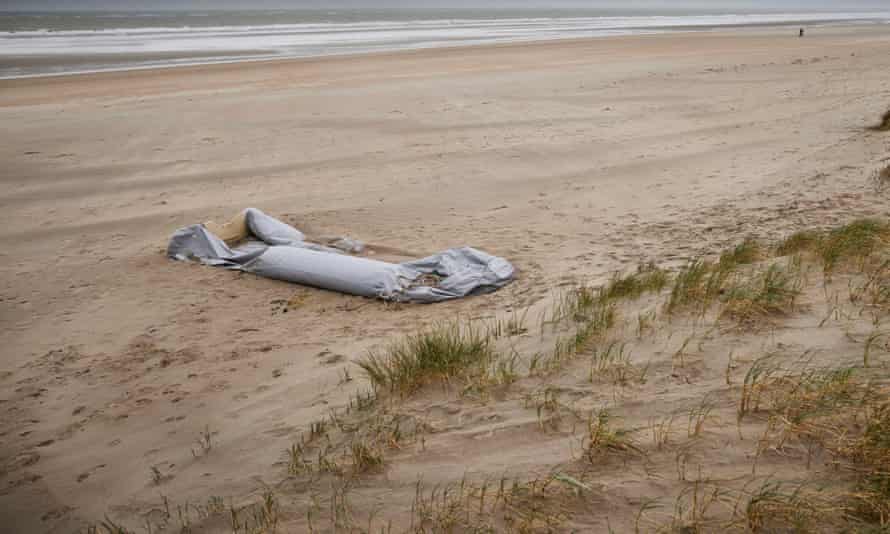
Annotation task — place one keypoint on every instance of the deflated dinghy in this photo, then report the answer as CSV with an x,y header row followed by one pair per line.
x,y
265,246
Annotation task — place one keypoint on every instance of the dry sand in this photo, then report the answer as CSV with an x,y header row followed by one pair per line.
x,y
572,159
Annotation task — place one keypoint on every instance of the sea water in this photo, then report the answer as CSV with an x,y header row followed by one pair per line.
x,y
34,43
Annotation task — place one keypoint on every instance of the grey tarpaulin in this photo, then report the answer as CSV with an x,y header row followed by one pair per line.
x,y
277,250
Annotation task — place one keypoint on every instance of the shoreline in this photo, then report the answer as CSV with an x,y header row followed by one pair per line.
x,y
278,64
756,28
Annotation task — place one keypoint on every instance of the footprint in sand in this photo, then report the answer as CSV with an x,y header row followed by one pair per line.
x,y
22,460
281,432
56,513
27,478
83,476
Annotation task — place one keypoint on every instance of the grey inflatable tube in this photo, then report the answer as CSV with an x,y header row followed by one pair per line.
x,y
276,250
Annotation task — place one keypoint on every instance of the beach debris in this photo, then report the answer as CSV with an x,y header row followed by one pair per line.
x,y
256,243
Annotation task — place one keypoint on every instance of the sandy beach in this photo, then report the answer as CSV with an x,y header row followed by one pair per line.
x,y
127,378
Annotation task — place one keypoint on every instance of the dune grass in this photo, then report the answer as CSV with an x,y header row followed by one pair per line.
x,y
838,410
854,241
688,285
648,278
745,253
365,457
772,508
848,244
798,242
602,438
696,286
493,505
701,282
439,354
768,293
871,455
580,303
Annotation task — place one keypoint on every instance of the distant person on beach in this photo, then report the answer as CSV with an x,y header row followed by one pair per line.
x,y
801,32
